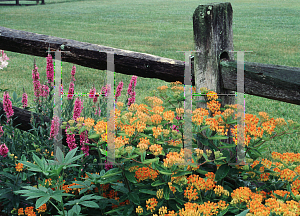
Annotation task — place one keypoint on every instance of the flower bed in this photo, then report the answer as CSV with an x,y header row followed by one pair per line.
x,y
153,173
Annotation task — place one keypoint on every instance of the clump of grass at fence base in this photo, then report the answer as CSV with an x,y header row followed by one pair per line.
x,y
269,29
149,191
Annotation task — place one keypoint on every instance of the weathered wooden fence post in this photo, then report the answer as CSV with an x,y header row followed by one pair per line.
x,y
213,36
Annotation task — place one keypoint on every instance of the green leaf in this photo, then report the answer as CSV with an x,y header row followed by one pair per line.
x,y
182,173
82,129
148,192
94,136
151,160
166,192
243,213
133,197
165,173
205,156
90,204
59,155
158,183
57,198
130,176
38,161
217,137
41,201
76,209
227,146
201,171
222,172
120,187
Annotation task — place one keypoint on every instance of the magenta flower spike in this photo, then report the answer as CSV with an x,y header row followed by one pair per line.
x,y
24,99
1,131
77,109
71,91
3,150
83,140
92,92
54,128
45,91
36,82
71,140
50,69
119,89
7,106
73,73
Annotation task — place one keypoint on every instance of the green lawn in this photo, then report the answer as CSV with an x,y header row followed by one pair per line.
x,y
269,29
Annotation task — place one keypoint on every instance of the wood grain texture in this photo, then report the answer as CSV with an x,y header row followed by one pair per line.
x,y
275,82
94,55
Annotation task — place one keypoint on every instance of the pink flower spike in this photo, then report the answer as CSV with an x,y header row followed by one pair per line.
x,y
83,140
3,150
71,141
95,98
45,91
7,106
24,99
71,91
50,69
1,131
119,89
54,128
77,109
92,92
73,73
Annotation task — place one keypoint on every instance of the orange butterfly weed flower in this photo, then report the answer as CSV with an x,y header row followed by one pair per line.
x,y
151,204
19,167
156,149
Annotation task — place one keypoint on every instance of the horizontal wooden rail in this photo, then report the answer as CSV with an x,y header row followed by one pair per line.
x,y
275,82
94,55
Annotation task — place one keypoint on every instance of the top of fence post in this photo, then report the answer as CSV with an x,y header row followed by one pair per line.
x,y
212,24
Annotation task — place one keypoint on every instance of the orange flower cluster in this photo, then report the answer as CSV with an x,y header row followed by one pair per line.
x,y
213,106
29,210
157,131
140,126
154,101
19,167
287,157
211,95
161,88
145,173
100,127
198,115
89,123
177,88
200,183
173,158
120,141
190,193
156,149
42,208
151,204
269,125
156,119
207,208
143,144
169,116
158,109
174,142
129,130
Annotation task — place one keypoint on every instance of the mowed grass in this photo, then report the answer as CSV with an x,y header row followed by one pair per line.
x,y
269,29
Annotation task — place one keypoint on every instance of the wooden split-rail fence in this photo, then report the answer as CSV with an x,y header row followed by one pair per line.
x,y
18,2
214,65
